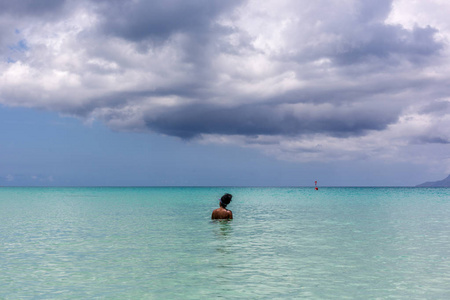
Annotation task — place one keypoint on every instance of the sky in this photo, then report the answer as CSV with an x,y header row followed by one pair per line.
x,y
224,93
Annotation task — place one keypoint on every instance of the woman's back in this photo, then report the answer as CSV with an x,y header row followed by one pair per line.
x,y
221,213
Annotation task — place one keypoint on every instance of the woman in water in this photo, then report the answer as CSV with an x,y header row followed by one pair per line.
x,y
222,212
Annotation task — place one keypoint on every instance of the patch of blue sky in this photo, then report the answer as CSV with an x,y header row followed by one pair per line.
x,y
21,46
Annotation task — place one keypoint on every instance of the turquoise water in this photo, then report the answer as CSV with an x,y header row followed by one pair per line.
x,y
284,243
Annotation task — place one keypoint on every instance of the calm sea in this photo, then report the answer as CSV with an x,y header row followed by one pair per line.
x,y
284,243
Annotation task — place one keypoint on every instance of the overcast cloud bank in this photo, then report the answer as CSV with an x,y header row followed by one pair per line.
x,y
300,80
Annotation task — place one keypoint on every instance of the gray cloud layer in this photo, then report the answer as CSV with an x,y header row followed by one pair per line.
x,y
159,19
330,76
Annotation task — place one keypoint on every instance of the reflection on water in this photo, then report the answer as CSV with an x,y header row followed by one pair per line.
x,y
223,228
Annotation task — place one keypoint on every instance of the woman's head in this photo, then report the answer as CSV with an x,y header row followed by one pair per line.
x,y
225,200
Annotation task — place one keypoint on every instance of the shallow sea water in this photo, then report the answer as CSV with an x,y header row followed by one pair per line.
x,y
284,243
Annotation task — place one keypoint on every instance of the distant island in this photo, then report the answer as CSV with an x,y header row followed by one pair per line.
x,y
441,183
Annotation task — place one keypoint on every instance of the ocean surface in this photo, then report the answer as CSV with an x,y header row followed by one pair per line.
x,y
284,243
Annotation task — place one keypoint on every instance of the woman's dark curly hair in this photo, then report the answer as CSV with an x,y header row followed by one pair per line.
x,y
225,200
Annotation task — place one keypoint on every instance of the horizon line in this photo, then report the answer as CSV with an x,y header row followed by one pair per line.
x,y
216,186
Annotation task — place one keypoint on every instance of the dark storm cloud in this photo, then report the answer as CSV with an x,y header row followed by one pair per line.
x,y
432,140
30,7
229,68
366,37
391,44
188,122
158,19
436,108
373,11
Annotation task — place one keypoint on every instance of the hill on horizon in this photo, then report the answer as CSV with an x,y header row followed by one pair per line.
x,y
441,183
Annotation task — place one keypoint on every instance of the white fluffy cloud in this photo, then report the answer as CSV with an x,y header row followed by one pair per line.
x,y
301,80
